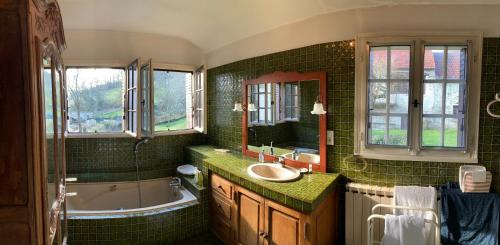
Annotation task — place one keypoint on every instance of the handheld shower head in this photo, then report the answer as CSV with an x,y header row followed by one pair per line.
x,y
138,143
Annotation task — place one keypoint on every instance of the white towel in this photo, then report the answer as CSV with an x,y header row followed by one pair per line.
x,y
404,230
415,196
419,197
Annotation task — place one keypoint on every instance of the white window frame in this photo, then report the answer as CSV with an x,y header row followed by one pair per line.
x,y
414,151
296,107
268,121
180,68
113,65
165,66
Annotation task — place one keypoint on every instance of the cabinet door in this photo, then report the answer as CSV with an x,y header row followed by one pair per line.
x,y
283,226
249,217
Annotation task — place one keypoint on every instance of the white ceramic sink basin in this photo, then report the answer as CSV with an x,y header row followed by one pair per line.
x,y
304,157
273,172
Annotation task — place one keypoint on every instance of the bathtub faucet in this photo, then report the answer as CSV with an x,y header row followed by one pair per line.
x,y
175,183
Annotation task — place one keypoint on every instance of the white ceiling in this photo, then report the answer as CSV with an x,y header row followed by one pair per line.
x,y
210,24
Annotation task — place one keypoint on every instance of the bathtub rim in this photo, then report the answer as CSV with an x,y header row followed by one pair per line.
x,y
187,200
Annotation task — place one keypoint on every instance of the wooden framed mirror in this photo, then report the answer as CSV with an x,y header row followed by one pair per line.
x,y
277,108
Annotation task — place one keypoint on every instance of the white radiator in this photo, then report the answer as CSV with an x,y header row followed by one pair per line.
x,y
359,200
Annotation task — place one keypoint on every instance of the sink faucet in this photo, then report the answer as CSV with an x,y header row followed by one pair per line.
x,y
295,154
175,184
281,161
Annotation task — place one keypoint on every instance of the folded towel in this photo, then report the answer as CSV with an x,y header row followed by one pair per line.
x,y
404,230
469,184
418,197
477,176
415,196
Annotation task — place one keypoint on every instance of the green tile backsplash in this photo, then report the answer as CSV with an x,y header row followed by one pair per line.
x,y
337,59
112,159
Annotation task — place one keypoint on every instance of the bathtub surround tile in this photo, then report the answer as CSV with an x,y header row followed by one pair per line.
x,y
112,159
303,195
337,59
161,228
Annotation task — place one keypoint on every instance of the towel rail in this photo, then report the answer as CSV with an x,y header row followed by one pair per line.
x,y
434,221
497,99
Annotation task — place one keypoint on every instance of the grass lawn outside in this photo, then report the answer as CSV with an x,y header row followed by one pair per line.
x,y
172,125
430,137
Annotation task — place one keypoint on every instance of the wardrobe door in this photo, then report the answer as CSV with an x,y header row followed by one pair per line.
x,y
51,187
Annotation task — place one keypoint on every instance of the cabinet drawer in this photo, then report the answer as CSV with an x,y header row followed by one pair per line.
x,y
221,186
222,230
220,207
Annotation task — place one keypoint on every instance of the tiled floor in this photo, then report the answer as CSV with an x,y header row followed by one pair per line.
x,y
204,239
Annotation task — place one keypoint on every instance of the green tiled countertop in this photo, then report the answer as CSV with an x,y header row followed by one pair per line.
x,y
304,194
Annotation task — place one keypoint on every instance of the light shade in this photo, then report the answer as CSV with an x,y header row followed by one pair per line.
x,y
251,107
238,107
318,109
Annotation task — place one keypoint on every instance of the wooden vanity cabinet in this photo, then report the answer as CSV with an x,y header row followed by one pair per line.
x,y
248,218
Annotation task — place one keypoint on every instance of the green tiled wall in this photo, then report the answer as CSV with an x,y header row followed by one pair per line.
x,y
112,159
164,228
337,59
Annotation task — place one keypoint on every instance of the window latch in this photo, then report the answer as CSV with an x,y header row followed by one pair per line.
x,y
415,103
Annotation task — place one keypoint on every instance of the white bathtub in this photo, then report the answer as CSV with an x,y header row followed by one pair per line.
x,y
120,199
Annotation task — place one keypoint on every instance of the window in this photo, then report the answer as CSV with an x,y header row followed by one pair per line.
x,y
275,103
388,92
94,99
198,99
131,98
261,95
137,100
172,96
417,98
291,103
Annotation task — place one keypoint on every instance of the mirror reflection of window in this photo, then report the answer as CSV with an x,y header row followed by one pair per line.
x,y
291,104
261,95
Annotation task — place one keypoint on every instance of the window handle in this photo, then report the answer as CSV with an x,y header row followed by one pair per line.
x,y
415,103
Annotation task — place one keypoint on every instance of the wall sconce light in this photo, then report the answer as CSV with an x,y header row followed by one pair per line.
x,y
239,107
318,108
251,107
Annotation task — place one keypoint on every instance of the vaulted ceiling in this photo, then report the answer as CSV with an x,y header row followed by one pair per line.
x,y
210,24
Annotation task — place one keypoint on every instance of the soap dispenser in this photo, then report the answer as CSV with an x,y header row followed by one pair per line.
x,y
261,154
271,149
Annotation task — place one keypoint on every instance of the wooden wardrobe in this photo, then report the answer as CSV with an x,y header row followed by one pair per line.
x,y
32,118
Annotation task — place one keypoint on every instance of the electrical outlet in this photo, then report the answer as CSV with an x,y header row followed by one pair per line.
x,y
329,137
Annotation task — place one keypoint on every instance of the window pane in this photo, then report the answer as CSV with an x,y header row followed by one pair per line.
x,y
433,98
434,63
453,137
456,63
398,134
431,133
145,103
262,88
399,97
377,97
262,116
49,109
453,95
377,130
378,63
170,99
400,62
95,99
